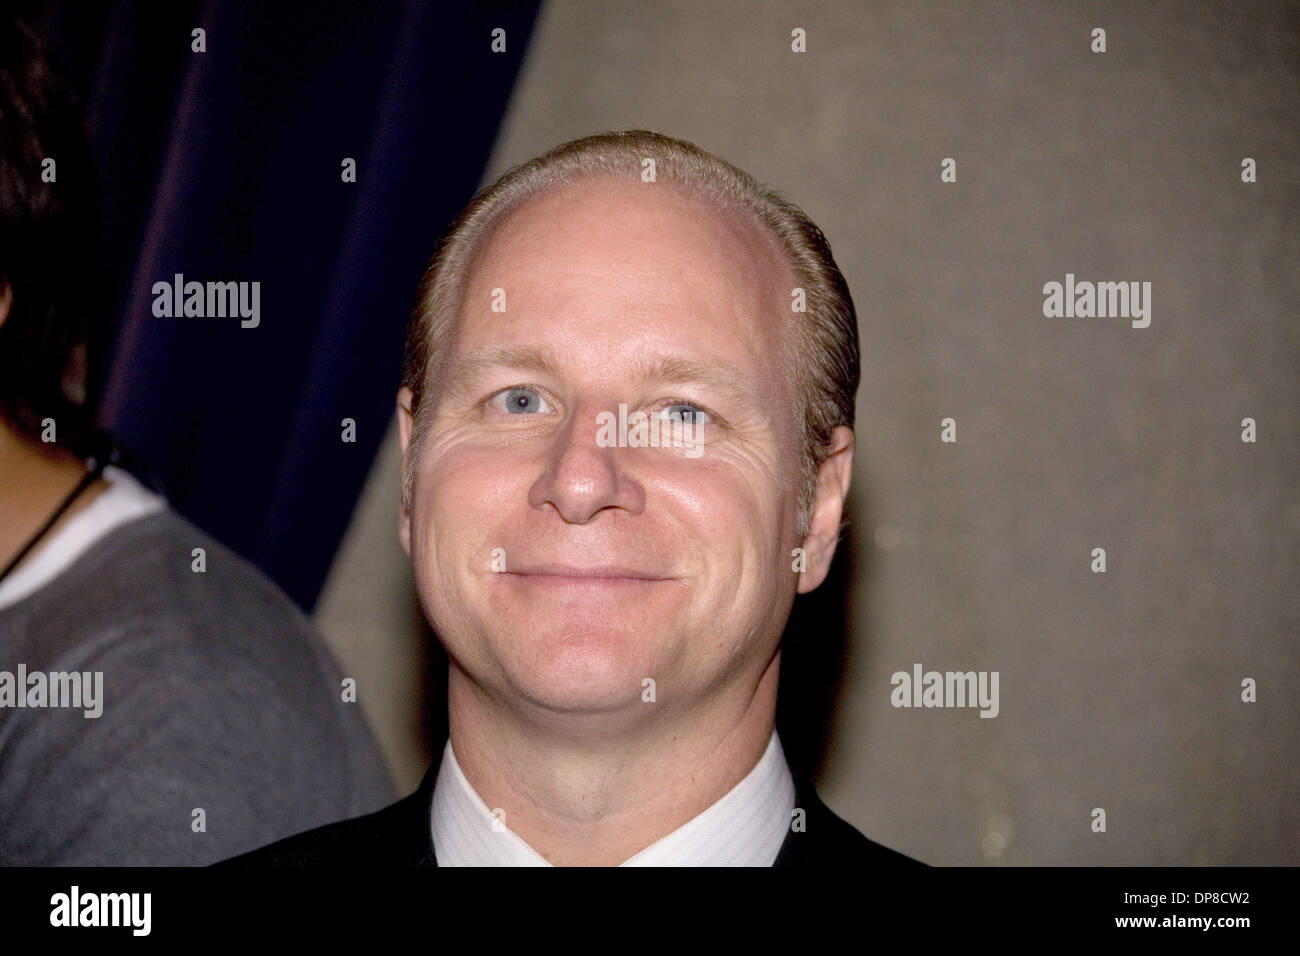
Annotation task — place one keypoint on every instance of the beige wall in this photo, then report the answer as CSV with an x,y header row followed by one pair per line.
x,y
1118,690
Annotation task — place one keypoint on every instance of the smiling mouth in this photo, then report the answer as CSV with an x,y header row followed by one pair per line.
x,y
603,576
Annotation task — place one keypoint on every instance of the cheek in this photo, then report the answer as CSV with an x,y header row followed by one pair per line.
x,y
726,493
733,516
464,477
460,495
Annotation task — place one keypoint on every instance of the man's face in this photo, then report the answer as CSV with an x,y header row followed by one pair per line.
x,y
613,293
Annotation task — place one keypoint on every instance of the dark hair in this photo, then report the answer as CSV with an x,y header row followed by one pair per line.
x,y
49,245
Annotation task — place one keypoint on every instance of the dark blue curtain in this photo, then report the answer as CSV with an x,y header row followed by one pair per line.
x,y
226,166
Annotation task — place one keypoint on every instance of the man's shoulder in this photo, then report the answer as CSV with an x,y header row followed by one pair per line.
x,y
160,566
819,838
178,566
399,835
159,589
213,683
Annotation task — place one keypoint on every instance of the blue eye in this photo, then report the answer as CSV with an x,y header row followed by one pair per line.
x,y
687,414
520,401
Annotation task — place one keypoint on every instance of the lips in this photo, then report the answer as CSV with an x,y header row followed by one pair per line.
x,y
592,572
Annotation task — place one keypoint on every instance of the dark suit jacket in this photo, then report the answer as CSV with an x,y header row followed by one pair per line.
x,y
401,836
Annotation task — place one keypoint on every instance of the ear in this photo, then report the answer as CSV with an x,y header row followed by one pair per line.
x,y
828,510
405,425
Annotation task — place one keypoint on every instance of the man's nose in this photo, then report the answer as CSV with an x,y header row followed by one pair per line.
x,y
583,478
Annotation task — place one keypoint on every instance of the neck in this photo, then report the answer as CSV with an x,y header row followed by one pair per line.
x,y
36,477
596,793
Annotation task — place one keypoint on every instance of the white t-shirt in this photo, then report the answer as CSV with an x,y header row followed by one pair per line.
x,y
125,499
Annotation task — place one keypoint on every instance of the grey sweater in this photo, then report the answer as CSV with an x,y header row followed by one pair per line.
x,y
217,697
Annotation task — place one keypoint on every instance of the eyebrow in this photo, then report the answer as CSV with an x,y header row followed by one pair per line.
x,y
722,377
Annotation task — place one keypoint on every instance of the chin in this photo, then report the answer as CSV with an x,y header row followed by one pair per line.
x,y
583,668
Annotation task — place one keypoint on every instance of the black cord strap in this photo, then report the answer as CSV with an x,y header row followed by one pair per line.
x,y
95,468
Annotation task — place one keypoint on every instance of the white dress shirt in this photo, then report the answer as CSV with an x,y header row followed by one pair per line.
x,y
125,499
746,827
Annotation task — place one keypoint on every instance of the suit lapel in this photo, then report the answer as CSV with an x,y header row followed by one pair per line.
x,y
800,846
406,827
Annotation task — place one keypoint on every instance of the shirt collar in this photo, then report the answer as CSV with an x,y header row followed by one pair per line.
x,y
745,827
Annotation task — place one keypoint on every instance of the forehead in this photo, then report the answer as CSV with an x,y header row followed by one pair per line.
x,y
615,261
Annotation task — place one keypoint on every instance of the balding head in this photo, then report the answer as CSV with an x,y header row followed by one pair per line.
x,y
823,348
